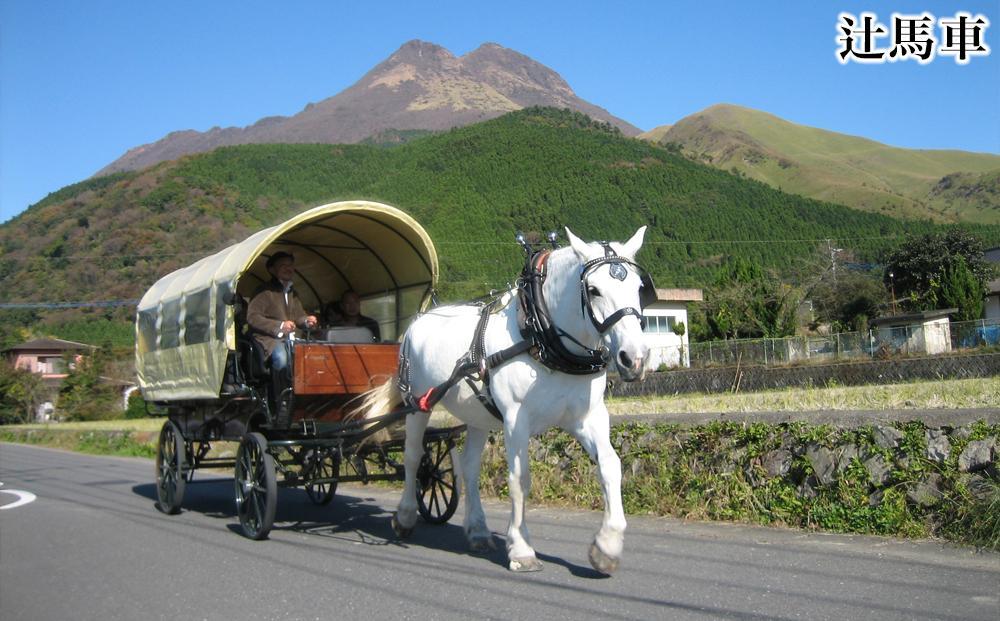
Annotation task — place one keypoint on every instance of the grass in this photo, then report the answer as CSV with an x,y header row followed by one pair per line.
x,y
951,394
834,167
135,424
107,441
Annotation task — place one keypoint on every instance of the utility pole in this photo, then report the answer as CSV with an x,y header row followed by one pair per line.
x,y
892,289
833,258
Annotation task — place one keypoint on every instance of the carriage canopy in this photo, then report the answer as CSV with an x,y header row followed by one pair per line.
x,y
185,325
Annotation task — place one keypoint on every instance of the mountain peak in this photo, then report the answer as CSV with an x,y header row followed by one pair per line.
x,y
419,52
420,86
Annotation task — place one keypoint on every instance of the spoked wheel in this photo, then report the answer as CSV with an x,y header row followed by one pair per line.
x,y
256,486
171,464
437,486
324,466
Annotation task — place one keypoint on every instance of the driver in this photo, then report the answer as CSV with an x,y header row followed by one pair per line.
x,y
273,315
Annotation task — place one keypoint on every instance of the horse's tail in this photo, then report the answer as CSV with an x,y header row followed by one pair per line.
x,y
374,403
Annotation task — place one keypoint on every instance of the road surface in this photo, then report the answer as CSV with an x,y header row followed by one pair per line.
x,y
91,545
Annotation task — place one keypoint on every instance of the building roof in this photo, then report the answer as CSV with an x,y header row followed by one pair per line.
x,y
53,345
679,295
914,317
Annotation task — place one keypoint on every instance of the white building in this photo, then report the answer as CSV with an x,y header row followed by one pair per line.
x,y
926,332
663,318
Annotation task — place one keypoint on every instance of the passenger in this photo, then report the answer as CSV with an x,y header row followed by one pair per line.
x,y
273,315
350,314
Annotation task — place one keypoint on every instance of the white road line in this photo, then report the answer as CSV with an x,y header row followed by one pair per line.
x,y
23,497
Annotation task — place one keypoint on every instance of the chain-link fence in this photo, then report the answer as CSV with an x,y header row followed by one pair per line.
x,y
884,342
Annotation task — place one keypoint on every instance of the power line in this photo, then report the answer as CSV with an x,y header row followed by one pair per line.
x,y
839,240
52,305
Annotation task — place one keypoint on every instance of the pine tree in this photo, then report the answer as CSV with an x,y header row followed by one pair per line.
x,y
959,288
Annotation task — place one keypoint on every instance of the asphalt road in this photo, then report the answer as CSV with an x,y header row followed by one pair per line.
x,y
92,546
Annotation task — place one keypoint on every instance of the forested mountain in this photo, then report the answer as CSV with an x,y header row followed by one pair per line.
x,y
421,86
538,169
942,185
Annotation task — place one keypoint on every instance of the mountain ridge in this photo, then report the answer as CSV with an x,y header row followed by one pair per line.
x,y
421,86
471,188
851,170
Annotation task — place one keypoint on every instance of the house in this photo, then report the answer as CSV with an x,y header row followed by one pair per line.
x,y
53,359
47,357
666,327
927,332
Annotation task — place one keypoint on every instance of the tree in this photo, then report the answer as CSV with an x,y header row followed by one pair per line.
x,y
850,300
959,288
83,395
21,393
747,303
916,269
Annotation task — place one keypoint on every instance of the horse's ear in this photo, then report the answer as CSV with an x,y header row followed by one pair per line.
x,y
631,247
577,244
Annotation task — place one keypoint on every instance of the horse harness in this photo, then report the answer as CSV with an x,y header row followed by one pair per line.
x,y
541,338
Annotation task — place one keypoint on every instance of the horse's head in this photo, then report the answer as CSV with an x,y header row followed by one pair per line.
x,y
613,291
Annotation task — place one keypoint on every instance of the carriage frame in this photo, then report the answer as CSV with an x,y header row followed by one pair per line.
x,y
198,365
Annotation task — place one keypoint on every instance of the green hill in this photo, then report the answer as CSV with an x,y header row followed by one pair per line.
x,y
534,170
828,166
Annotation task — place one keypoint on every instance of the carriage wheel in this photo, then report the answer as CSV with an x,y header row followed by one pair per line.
x,y
171,477
437,487
325,466
256,486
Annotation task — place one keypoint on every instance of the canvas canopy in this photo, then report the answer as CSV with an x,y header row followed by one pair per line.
x,y
185,323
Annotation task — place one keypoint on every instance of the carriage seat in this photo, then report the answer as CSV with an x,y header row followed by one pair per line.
x,y
250,364
350,334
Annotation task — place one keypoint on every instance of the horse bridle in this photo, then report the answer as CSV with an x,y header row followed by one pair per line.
x,y
619,271
548,338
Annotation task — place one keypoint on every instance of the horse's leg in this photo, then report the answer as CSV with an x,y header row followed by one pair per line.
x,y
519,551
476,532
406,513
606,550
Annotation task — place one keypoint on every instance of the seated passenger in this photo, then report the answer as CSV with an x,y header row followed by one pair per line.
x,y
273,315
349,315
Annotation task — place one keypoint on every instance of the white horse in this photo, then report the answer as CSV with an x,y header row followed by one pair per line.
x,y
592,292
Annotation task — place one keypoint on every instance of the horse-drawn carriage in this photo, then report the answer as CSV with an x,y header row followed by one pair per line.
x,y
197,361
522,361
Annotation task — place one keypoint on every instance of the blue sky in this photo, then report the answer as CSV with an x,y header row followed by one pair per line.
x,y
82,82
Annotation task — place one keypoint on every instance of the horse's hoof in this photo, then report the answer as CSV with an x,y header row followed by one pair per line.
x,y
482,545
601,561
526,564
401,531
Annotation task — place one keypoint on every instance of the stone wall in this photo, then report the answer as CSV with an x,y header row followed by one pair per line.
x,y
902,479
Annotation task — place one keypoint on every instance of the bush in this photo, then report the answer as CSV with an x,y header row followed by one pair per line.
x,y
136,406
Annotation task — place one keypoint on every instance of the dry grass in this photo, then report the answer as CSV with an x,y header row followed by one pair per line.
x,y
944,394
952,394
